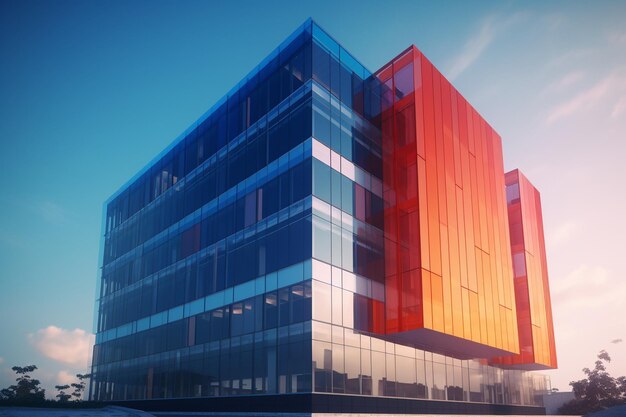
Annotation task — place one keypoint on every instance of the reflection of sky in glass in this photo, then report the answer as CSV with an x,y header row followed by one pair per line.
x,y
403,81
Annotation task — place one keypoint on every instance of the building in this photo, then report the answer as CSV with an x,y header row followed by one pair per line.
x,y
325,238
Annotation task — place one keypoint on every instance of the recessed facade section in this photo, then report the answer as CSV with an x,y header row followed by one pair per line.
x,y
532,289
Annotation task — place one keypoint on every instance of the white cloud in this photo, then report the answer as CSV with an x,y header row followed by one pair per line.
x,y
619,108
587,303
47,210
562,233
472,50
587,287
588,98
569,58
52,212
554,21
72,347
564,82
64,377
477,44
618,38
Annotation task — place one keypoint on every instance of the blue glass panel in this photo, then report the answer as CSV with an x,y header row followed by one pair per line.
x,y
354,65
326,40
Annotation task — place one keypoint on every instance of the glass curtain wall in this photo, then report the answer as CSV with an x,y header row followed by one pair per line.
x,y
205,283
349,355
248,258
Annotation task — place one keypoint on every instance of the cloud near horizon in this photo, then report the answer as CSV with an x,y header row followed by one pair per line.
x,y
619,108
587,287
561,233
599,93
72,347
563,83
52,212
478,43
618,38
65,377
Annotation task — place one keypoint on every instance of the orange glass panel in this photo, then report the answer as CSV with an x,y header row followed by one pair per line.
x,y
444,181
467,324
532,293
427,300
437,303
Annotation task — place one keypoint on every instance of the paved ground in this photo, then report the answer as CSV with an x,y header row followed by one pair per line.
x,y
60,412
112,411
619,411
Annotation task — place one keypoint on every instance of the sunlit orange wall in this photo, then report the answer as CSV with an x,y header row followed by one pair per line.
x,y
532,292
448,259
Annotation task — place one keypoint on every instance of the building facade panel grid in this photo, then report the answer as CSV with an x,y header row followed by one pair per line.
x,y
446,209
536,330
274,249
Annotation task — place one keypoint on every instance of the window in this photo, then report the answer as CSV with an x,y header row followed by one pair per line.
x,y
271,310
321,181
512,193
321,65
321,297
321,240
403,80
519,264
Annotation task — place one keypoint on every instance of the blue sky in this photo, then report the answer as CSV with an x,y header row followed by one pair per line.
x,y
91,91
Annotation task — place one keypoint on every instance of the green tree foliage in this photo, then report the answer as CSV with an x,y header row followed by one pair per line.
x,y
79,387
62,396
598,391
27,389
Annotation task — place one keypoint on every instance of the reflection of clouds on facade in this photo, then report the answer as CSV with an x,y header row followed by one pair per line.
x,y
72,347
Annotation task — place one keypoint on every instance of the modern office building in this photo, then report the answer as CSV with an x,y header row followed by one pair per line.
x,y
329,239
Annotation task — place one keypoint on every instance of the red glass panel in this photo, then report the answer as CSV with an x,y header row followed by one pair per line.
x,y
532,293
449,269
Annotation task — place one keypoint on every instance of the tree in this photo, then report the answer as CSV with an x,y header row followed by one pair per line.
x,y
79,387
27,388
598,391
62,396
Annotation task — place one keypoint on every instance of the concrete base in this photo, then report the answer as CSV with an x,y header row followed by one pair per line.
x,y
311,404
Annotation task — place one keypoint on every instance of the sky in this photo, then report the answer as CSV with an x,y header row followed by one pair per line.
x,y
91,91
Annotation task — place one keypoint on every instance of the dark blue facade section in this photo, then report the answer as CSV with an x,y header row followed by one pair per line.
x,y
309,53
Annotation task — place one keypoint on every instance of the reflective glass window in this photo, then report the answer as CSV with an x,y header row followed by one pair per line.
x,y
321,295
403,81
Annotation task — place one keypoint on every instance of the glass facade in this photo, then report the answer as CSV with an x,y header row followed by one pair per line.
x,y
530,271
251,256
446,216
